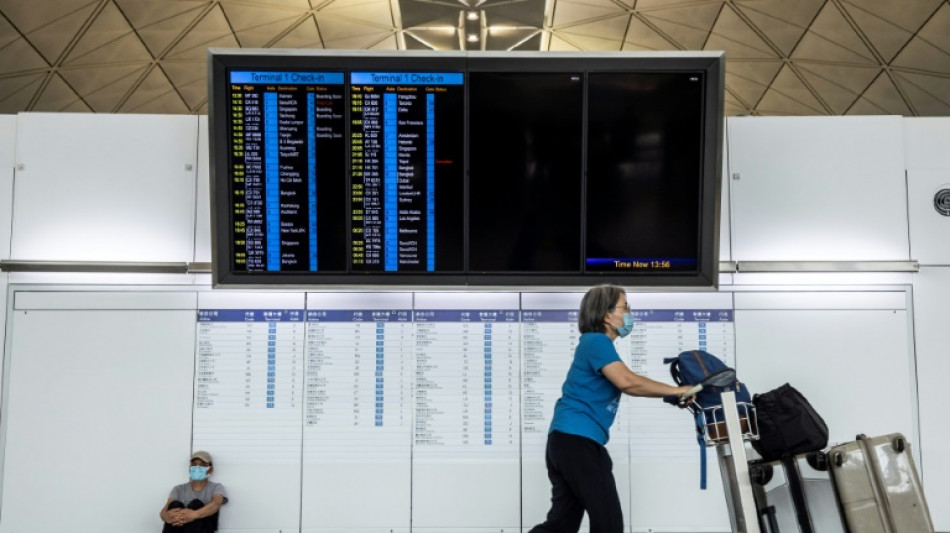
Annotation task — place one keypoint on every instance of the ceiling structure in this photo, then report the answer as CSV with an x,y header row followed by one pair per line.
x,y
784,57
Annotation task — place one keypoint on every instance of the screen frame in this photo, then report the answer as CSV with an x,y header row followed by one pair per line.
x,y
711,64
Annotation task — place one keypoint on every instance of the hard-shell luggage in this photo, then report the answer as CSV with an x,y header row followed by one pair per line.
x,y
795,494
878,486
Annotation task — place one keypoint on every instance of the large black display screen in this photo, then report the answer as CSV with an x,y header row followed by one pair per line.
x,y
453,169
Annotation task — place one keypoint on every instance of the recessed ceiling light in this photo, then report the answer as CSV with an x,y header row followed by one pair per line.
x,y
473,37
472,15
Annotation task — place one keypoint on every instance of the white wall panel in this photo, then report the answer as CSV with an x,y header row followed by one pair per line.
x,y
203,196
855,366
7,158
6,210
105,187
725,218
7,141
93,395
931,294
818,188
926,141
929,230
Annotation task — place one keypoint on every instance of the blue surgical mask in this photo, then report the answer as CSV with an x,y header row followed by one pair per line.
x,y
627,326
198,473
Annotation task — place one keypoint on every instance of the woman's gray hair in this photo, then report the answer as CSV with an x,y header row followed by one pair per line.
x,y
595,305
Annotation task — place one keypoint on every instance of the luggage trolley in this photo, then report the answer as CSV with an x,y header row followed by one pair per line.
x,y
727,428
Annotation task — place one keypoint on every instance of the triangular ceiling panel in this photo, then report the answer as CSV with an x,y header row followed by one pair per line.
x,y
125,49
919,54
414,42
789,84
591,42
832,38
781,33
557,44
739,40
212,31
887,38
906,14
640,36
142,14
748,91
303,35
159,35
8,33
154,95
91,79
19,56
567,12
937,30
855,79
263,36
16,92
335,29
359,42
884,96
184,72
776,103
255,25
650,5
387,43
508,38
799,13
929,95
194,93
51,39
524,13
56,96
109,27
838,98
863,107
609,30
373,12
689,27
105,98
29,15
437,39
760,71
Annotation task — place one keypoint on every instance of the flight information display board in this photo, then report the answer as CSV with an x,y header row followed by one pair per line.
x,y
342,168
287,170
406,145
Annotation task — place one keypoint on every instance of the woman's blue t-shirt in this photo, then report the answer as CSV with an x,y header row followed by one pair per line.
x,y
589,401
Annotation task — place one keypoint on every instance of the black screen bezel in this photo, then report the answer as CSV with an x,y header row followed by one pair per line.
x,y
710,64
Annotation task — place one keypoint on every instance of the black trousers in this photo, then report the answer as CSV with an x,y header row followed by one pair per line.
x,y
208,524
582,479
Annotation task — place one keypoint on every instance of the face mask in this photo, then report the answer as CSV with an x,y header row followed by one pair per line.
x,y
627,326
198,473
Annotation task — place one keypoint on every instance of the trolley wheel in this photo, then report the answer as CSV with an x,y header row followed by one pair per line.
x,y
818,461
898,444
761,474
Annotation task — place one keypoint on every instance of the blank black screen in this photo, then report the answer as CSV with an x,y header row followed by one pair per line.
x,y
644,173
525,163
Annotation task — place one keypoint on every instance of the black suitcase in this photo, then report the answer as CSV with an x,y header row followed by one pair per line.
x,y
796,494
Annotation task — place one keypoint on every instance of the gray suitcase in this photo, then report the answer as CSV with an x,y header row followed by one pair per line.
x,y
878,486
796,495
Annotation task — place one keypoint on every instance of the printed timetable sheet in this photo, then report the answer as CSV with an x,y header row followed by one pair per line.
x,y
360,396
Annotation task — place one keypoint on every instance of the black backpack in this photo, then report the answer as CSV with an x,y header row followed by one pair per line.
x,y
788,424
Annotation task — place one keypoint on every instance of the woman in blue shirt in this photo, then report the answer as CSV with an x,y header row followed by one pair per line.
x,y
579,466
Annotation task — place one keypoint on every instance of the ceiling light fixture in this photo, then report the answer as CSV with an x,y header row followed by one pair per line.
x,y
473,37
472,15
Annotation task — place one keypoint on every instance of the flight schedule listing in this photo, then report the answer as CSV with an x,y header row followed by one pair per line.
x,y
287,172
406,146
